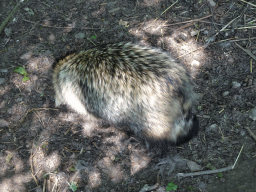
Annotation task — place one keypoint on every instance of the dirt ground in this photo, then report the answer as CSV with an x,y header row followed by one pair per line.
x,y
43,148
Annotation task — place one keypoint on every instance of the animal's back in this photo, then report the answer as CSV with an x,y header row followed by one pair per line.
x,y
130,86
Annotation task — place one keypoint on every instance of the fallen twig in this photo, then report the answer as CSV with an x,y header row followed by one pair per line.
x,y
9,17
34,109
251,133
248,3
169,7
194,20
43,25
247,51
211,171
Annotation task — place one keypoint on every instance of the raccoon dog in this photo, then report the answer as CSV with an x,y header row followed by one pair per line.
x,y
135,88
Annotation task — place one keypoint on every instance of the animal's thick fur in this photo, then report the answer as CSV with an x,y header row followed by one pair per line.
x,y
132,87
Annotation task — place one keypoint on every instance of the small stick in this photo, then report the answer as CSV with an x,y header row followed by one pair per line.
x,y
9,17
169,7
212,171
247,51
34,109
248,3
32,170
60,27
194,20
251,133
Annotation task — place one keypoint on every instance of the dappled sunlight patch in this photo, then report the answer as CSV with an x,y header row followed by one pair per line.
x,y
16,183
112,169
41,63
94,178
89,126
152,27
43,163
155,27
116,141
185,47
35,68
139,162
180,43
52,162
51,38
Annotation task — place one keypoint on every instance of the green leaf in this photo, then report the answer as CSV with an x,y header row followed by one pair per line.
x,y
93,37
72,169
20,70
25,78
171,186
73,186
220,174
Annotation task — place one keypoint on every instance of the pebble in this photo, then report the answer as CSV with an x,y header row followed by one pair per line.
x,y
80,35
225,93
236,84
193,166
194,32
250,82
3,123
252,113
2,80
213,128
4,70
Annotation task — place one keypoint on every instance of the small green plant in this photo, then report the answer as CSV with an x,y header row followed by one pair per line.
x,y
93,37
171,187
23,72
220,174
210,166
73,186
190,188
72,168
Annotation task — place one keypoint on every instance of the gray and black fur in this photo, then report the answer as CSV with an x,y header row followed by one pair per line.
x,y
136,88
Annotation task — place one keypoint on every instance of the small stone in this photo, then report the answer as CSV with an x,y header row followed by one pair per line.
x,y
193,166
3,123
252,114
2,80
112,157
236,84
7,31
4,70
231,60
250,82
213,128
212,3
194,32
237,97
225,93
79,35
242,132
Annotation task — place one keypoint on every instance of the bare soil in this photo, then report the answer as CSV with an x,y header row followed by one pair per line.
x,y
43,148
